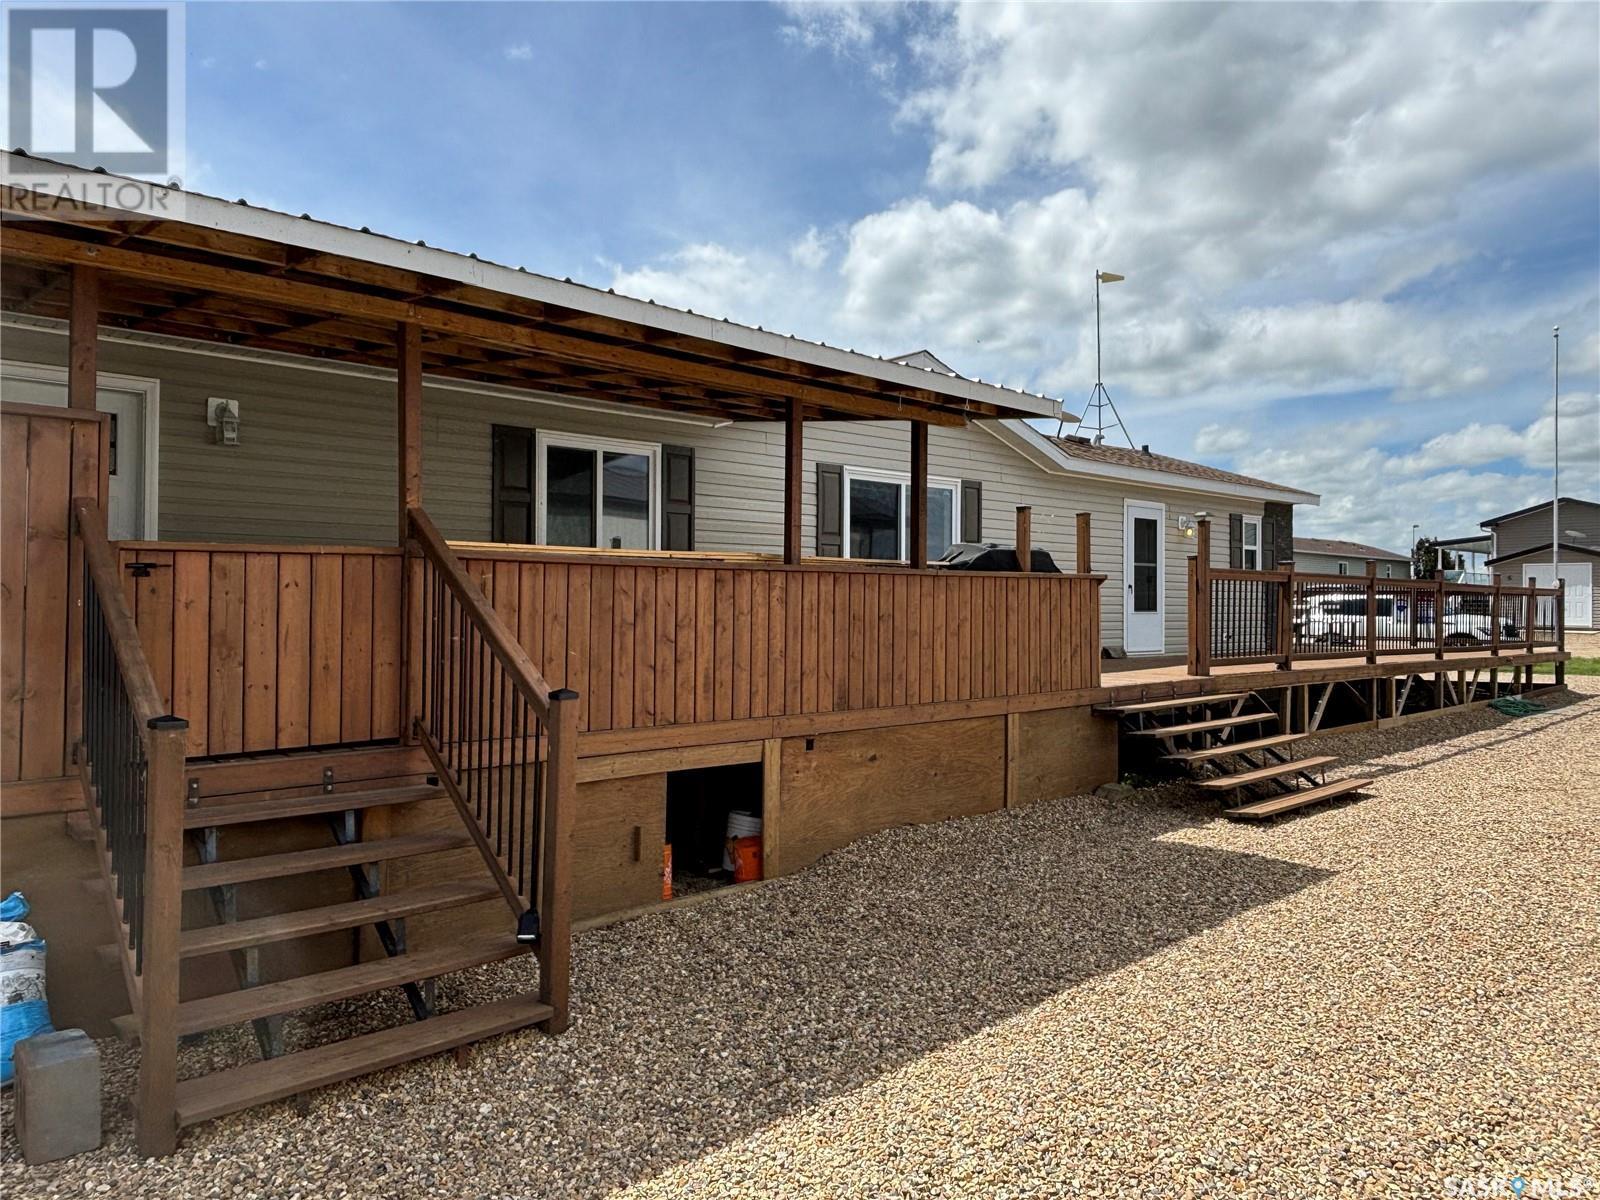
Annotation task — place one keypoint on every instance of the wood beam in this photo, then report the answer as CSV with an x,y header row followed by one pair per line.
x,y
83,323
408,351
1024,537
322,298
793,466
918,555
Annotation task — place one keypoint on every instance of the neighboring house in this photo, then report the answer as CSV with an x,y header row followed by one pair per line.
x,y
509,466
1324,556
1521,552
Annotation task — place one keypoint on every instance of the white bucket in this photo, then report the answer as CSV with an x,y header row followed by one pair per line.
x,y
740,824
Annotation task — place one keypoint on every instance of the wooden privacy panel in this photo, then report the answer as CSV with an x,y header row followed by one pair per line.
x,y
649,644
47,456
271,647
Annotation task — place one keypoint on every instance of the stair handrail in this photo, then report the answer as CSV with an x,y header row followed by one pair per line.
x,y
135,786
539,891
500,640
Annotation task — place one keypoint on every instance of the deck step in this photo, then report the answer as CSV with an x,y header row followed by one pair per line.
x,y
213,939
323,858
1204,726
1148,706
276,1078
1260,774
289,995
1290,800
1227,748
304,806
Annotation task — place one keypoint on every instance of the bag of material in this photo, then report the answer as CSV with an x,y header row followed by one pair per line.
x,y
23,1010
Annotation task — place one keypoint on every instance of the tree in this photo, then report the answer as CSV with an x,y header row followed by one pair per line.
x,y
1426,558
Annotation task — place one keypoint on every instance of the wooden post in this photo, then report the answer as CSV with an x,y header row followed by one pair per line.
x,y
1438,614
157,1119
1561,628
408,405
1200,601
408,352
917,554
555,917
1024,537
1372,610
793,465
1532,609
1286,617
1084,548
1494,617
83,319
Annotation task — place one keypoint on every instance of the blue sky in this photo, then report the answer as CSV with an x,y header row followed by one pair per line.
x,y
1347,231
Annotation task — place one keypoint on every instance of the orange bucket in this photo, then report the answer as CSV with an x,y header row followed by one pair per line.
x,y
746,859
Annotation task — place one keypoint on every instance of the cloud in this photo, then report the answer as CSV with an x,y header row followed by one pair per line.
x,y
1322,214
1220,439
811,250
519,52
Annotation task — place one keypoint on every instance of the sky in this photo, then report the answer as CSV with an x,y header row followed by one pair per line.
x,y
1347,232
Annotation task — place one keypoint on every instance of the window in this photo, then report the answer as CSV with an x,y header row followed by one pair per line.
x,y
1388,570
1344,567
877,515
598,492
1250,543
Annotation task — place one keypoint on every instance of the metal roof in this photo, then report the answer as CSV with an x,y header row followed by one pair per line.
x,y
436,284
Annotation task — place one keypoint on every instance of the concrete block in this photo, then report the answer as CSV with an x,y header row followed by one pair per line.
x,y
58,1095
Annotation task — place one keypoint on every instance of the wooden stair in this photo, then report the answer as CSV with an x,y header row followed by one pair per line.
x,y
240,841
1260,773
255,1083
1297,798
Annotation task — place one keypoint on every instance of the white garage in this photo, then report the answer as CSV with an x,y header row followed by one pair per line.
x,y
1580,588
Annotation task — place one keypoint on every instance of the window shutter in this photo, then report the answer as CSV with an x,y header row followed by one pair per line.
x,y
1236,540
677,498
1277,535
511,485
830,510
972,510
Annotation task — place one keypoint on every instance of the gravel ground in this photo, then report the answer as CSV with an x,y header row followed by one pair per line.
x,y
1086,997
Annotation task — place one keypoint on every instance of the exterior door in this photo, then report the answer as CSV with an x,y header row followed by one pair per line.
x,y
1580,588
1144,600
126,519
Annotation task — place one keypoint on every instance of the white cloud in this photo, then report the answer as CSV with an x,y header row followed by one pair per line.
x,y
1220,439
811,250
519,52
1279,184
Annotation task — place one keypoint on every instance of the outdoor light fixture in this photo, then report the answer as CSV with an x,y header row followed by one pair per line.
x,y
1186,525
223,417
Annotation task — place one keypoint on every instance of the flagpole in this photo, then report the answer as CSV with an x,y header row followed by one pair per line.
x,y
1555,499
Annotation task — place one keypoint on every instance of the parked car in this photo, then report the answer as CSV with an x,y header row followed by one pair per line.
x,y
1339,618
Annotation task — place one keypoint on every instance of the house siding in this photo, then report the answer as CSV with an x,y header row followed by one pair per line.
x,y
316,463
1522,533
1328,564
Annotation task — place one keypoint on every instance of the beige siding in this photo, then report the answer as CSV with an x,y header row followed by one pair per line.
x,y
1328,564
316,464
1533,529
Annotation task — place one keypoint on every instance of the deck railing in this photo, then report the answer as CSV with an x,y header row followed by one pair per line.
x,y
505,747
132,762
1286,616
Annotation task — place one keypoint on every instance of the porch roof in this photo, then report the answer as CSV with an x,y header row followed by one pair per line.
x,y
255,278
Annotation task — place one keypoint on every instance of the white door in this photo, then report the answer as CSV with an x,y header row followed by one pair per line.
x,y
1144,611
126,520
1580,588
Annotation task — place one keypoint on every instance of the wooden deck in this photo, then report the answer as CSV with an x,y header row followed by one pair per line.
x,y
1133,684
